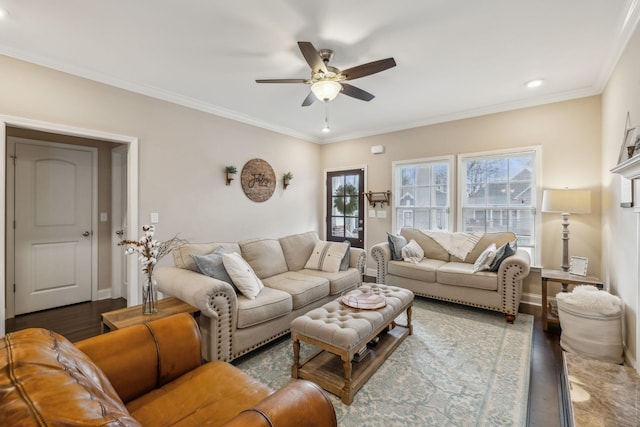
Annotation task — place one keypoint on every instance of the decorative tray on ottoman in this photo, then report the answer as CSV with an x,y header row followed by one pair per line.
x,y
364,301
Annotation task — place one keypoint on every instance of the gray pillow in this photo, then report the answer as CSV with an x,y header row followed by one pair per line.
x,y
396,243
503,253
344,264
211,265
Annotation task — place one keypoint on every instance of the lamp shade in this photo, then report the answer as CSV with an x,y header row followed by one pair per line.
x,y
326,90
567,201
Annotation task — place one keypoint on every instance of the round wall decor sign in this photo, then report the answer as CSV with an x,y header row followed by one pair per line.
x,y
258,180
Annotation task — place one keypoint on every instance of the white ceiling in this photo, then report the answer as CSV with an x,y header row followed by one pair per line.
x,y
455,59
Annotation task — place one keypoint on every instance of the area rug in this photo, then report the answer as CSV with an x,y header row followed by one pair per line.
x,y
461,367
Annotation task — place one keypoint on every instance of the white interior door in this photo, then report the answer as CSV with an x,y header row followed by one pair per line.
x,y
53,226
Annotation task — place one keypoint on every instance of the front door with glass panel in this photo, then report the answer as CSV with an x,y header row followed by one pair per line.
x,y
345,207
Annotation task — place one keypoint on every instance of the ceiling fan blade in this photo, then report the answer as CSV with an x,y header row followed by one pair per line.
x,y
312,56
309,100
368,69
281,81
356,92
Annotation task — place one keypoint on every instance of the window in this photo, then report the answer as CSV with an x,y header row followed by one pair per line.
x,y
422,196
498,193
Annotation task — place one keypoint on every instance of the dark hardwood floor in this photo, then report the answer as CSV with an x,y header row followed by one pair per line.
x,y
80,321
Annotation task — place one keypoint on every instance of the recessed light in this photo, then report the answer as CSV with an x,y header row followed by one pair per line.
x,y
534,83
326,129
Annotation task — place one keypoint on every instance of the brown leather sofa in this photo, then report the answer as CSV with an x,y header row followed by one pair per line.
x,y
145,375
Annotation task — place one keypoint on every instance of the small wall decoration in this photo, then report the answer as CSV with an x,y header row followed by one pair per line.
x,y
230,171
258,180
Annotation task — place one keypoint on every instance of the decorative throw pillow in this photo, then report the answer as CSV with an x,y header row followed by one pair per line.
x,y
327,256
396,243
211,265
502,253
242,275
484,260
412,252
346,259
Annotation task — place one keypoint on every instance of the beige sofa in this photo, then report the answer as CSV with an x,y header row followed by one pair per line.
x,y
443,276
233,324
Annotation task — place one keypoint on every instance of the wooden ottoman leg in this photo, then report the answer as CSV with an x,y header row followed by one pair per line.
x,y
296,357
347,392
409,325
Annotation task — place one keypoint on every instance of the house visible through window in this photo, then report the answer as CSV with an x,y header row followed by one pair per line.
x,y
422,196
498,193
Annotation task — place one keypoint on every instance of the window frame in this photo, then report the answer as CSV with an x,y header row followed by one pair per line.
x,y
536,195
450,160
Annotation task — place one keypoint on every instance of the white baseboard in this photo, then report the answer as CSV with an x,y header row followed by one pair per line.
x,y
532,299
104,294
371,272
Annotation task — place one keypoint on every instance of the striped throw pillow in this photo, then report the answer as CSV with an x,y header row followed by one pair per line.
x,y
326,256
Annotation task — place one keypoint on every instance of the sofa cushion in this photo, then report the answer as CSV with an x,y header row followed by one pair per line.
x,y
461,274
182,254
242,275
211,394
265,256
269,304
327,256
430,247
303,288
425,270
211,265
339,281
483,263
396,243
48,378
297,249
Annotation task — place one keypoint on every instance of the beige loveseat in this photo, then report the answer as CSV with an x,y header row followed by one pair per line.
x,y
443,276
233,324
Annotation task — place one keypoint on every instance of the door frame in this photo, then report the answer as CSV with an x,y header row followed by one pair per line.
x,y
132,192
116,212
324,205
10,236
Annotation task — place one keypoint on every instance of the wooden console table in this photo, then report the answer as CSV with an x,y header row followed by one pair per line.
x,y
130,316
566,279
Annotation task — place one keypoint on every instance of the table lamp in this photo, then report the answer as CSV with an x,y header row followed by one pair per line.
x,y
566,202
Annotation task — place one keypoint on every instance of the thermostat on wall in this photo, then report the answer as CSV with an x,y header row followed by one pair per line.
x,y
377,149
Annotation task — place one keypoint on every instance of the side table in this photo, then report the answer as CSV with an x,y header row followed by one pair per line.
x,y
566,279
129,316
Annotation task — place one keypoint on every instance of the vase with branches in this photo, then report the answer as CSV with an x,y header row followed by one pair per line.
x,y
150,252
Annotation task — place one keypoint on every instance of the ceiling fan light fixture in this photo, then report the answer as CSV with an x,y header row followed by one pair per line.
x,y
326,90
534,83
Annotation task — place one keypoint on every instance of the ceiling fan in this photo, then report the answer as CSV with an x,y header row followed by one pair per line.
x,y
327,81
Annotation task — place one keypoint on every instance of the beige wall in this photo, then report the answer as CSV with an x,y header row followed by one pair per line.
x,y
568,132
181,158
620,227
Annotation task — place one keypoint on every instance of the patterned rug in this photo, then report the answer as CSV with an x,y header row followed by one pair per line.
x,y
461,367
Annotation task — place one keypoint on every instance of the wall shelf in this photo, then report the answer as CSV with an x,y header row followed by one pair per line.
x,y
381,197
630,168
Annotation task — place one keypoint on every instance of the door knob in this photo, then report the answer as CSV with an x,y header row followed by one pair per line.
x,y
86,234
120,233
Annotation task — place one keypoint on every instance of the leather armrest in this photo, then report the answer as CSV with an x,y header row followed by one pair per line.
x,y
141,358
300,403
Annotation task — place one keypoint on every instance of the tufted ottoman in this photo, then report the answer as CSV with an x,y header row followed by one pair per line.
x,y
341,332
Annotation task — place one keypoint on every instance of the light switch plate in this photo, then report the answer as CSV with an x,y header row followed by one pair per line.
x,y
104,217
155,217
372,213
382,214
